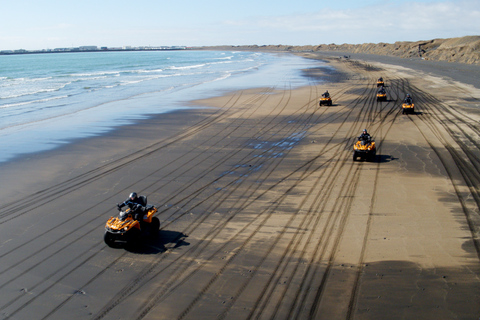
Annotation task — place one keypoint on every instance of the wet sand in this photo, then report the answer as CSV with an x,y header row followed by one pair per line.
x,y
264,213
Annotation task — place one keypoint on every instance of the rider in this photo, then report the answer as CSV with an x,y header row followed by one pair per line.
x,y
136,204
365,136
382,90
408,99
326,94
380,79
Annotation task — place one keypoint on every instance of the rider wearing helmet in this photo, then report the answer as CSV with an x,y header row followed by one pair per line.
x,y
136,203
364,136
408,99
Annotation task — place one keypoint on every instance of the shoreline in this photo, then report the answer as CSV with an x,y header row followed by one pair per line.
x,y
263,212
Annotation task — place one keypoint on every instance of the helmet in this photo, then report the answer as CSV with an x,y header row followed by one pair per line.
x,y
365,130
408,95
133,196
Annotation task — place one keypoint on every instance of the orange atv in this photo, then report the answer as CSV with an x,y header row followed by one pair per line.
x,y
365,149
381,96
408,108
380,83
125,229
325,101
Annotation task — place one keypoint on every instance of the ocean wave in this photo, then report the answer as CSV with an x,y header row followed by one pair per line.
x,y
223,77
187,67
144,71
24,92
9,82
225,58
24,103
95,74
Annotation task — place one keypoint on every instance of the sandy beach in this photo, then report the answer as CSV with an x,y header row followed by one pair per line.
x,y
264,214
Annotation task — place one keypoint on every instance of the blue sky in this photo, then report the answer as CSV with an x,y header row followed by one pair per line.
x,y
64,23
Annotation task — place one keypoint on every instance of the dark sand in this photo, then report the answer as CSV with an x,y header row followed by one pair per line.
x,y
264,214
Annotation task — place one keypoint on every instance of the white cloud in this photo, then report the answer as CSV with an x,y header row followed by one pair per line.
x,y
385,23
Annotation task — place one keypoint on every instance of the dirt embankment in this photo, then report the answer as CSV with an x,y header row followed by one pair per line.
x,y
462,50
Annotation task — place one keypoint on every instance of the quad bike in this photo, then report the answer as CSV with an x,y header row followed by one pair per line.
x,y
325,101
380,83
127,228
382,96
365,149
408,108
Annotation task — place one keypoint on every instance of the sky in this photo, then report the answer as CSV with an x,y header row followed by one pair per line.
x,y
50,24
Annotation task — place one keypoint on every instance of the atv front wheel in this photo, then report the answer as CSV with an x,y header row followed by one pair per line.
x,y
109,239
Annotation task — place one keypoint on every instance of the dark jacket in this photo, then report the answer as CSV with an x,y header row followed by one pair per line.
x,y
365,136
138,206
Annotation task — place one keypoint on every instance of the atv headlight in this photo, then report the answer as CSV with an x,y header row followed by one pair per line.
x,y
125,229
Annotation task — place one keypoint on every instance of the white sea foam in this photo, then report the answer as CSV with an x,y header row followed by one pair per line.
x,y
5,106
187,67
18,92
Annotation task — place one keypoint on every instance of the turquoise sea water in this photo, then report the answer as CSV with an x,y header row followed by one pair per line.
x,y
50,99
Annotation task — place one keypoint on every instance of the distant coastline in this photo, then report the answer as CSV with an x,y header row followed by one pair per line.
x,y
91,49
461,50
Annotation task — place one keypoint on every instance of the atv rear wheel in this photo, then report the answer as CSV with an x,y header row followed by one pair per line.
x,y
154,227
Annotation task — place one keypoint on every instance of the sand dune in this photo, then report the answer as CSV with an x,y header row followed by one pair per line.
x,y
462,50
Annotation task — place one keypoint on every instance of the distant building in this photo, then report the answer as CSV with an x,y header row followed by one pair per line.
x,y
93,48
88,48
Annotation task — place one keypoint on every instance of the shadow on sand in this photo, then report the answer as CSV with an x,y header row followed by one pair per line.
x,y
382,158
414,113
158,245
